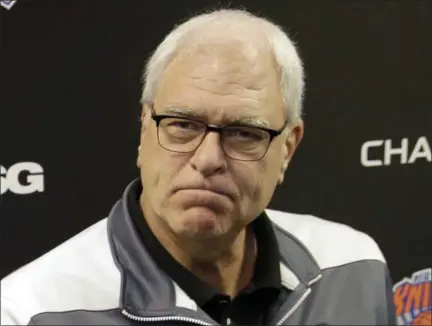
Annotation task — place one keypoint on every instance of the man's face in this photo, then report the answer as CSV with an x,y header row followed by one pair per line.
x,y
205,194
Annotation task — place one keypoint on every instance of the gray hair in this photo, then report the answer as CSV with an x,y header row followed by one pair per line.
x,y
285,54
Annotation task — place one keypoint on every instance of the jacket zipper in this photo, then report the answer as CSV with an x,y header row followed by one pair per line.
x,y
203,323
295,307
164,319
299,302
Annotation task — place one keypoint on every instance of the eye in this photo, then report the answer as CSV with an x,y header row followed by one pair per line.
x,y
184,124
246,133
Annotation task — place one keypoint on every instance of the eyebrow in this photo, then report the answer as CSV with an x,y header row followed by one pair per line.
x,y
180,111
240,120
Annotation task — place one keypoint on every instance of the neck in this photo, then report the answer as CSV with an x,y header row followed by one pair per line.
x,y
227,264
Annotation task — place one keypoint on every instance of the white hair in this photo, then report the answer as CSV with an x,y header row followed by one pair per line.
x,y
232,24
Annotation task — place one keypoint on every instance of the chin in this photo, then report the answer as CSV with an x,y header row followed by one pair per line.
x,y
202,222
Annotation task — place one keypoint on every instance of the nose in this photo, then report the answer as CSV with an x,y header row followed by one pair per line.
x,y
209,158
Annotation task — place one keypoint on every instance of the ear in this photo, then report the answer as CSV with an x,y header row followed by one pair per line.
x,y
292,140
138,162
145,120
145,116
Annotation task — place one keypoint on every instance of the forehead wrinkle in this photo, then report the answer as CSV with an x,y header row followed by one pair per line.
x,y
233,89
253,82
252,76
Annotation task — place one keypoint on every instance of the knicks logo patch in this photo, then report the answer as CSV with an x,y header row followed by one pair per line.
x,y
412,299
7,3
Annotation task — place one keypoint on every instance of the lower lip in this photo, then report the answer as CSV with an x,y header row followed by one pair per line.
x,y
201,192
199,197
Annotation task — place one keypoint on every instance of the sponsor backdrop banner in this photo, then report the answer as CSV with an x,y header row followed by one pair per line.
x,y
69,127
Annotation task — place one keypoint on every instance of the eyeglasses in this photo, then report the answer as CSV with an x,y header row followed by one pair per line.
x,y
239,142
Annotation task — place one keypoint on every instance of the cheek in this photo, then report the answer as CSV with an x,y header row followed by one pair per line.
x,y
257,181
151,156
247,178
159,168
250,180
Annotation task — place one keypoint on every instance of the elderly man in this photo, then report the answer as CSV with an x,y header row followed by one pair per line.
x,y
191,241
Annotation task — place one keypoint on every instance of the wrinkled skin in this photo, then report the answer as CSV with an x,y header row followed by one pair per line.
x,y
219,84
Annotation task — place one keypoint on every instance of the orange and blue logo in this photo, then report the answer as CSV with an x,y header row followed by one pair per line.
x,y
412,299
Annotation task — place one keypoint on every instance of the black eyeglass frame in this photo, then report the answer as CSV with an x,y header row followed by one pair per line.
x,y
273,133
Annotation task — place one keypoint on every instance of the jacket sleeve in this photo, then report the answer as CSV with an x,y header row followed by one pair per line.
x,y
386,312
12,314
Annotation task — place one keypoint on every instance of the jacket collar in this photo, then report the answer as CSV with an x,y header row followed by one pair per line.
x,y
148,292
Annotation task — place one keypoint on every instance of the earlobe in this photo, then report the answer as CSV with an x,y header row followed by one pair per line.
x,y
281,179
138,162
282,172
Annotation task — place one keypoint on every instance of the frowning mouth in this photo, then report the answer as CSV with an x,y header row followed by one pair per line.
x,y
203,192
192,197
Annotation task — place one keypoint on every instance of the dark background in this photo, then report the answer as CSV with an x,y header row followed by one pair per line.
x,y
70,73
